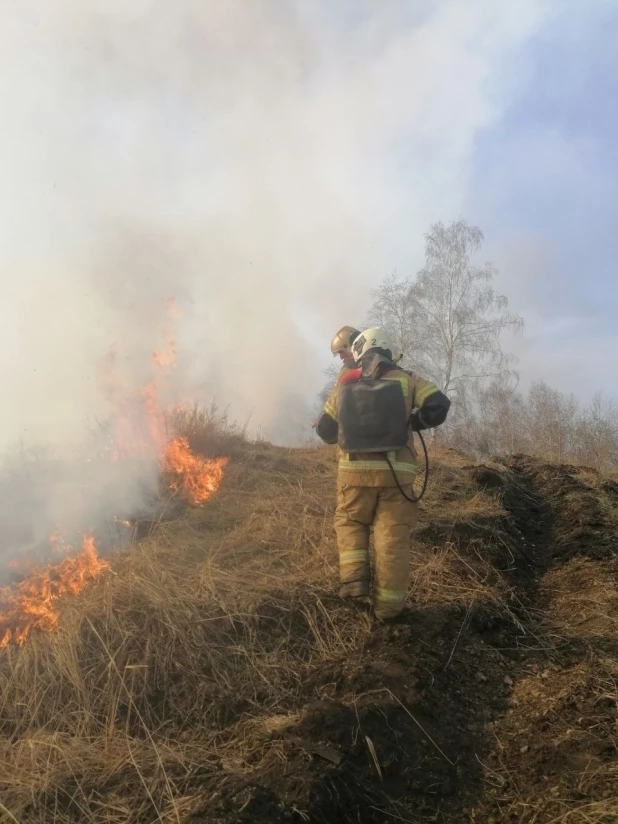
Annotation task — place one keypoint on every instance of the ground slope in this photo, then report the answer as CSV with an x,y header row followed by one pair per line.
x,y
215,676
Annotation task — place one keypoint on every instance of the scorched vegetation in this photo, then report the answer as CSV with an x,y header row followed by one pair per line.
x,y
211,674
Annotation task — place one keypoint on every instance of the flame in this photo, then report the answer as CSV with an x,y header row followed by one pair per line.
x,y
139,421
197,479
32,603
139,430
164,360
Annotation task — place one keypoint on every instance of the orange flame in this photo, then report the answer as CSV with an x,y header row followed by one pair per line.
x,y
139,430
165,360
197,479
139,422
32,603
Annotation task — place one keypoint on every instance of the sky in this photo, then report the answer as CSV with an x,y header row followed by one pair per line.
x,y
268,164
544,191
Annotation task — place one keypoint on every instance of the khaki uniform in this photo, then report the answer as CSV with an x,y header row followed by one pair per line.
x,y
367,495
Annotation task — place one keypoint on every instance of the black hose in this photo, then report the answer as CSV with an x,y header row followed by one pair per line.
x,y
413,500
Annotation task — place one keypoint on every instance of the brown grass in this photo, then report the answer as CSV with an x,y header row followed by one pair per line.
x,y
582,599
163,654
189,660
209,431
194,648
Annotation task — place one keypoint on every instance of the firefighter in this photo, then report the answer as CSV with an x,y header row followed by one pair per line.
x,y
341,345
371,413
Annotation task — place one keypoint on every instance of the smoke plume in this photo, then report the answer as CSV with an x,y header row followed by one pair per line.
x,y
264,163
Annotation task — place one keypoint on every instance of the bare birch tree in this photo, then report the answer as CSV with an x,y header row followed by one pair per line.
x,y
458,316
448,322
598,434
392,310
545,423
550,419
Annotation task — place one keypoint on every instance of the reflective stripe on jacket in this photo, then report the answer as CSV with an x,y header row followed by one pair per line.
x,y
370,468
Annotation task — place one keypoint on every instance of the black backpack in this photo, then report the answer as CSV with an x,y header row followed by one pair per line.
x,y
372,416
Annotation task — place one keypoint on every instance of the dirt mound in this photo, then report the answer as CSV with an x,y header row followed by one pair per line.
x,y
554,757
216,677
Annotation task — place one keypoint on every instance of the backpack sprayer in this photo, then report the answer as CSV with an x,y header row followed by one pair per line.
x,y
372,418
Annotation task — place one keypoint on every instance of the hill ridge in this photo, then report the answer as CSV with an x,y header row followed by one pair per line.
x,y
215,676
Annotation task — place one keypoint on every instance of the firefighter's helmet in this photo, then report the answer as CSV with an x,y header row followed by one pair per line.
x,y
343,340
374,338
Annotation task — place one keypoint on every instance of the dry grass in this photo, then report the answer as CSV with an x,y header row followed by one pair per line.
x,y
562,715
165,664
554,753
582,599
193,651
182,672
209,431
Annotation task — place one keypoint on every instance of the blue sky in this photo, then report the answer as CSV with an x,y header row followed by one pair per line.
x,y
545,179
269,164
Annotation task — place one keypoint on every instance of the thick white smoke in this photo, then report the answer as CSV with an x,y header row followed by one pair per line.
x,y
265,163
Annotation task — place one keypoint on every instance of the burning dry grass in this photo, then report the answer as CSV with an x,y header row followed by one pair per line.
x,y
142,439
161,645
209,431
213,670
178,672
32,604
196,478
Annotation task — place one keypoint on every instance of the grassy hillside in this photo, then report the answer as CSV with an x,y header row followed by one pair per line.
x,y
213,675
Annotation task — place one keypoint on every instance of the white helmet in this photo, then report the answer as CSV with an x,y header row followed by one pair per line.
x,y
374,338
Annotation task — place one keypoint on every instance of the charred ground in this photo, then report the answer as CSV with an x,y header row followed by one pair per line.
x,y
215,677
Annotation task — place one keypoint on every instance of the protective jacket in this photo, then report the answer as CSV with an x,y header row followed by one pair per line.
x,y
367,494
426,407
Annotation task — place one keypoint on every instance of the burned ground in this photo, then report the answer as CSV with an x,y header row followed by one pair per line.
x,y
214,676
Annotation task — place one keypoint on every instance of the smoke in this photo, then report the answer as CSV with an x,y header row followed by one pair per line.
x,y
265,163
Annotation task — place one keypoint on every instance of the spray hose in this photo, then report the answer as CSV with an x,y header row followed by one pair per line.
x,y
417,498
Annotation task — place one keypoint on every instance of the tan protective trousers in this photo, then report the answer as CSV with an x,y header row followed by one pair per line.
x,y
392,517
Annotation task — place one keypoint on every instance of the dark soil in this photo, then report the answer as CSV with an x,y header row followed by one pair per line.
x,y
484,713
